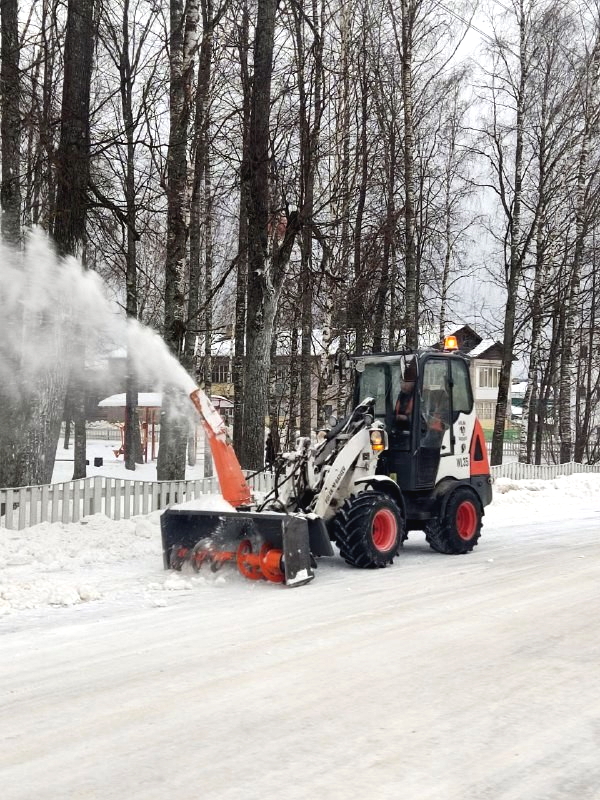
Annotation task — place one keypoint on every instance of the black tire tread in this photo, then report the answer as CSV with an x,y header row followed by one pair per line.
x,y
351,530
440,533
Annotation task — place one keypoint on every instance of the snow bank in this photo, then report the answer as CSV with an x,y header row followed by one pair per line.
x,y
105,560
66,564
567,496
209,502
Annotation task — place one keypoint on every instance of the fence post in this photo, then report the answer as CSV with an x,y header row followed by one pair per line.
x,y
9,508
96,503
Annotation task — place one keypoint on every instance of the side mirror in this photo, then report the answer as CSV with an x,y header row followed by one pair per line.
x,y
332,421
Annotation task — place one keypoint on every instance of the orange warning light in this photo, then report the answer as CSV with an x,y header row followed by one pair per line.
x,y
450,343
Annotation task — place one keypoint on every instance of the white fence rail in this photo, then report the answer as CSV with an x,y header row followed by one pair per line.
x,y
516,471
117,498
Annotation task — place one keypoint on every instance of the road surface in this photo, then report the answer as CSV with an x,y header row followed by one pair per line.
x,y
446,678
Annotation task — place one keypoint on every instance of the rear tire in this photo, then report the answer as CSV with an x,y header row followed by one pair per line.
x,y
369,530
459,529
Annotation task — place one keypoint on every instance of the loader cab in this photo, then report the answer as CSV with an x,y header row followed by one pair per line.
x,y
419,397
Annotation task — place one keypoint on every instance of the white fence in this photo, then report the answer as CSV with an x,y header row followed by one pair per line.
x,y
516,471
120,499
115,497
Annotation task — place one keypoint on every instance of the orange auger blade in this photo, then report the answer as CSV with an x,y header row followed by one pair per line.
x,y
264,564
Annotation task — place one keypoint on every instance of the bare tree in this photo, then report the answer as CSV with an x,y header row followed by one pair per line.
x,y
269,243
589,114
243,46
73,167
507,159
10,192
182,49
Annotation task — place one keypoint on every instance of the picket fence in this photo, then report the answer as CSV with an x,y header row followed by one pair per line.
x,y
516,471
116,498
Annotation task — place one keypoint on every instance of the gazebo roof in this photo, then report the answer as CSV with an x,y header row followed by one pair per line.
x,y
145,400
154,400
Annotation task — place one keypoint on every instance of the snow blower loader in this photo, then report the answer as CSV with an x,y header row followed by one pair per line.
x,y
411,455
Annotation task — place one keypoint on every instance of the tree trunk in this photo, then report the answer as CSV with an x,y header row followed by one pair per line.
x,y
266,266
309,101
133,446
242,254
343,170
182,47
208,276
361,280
573,305
385,284
411,296
293,383
13,419
72,174
517,254
10,192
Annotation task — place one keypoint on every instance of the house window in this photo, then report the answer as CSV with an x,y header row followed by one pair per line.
x,y
486,410
488,377
220,373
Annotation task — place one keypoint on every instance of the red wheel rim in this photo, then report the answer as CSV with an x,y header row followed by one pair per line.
x,y
466,520
385,529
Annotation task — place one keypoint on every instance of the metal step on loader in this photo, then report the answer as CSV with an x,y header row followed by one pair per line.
x,y
411,455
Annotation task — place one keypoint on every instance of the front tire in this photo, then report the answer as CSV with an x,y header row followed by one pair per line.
x,y
459,529
369,530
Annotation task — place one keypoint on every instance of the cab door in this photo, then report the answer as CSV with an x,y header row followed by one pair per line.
x,y
434,431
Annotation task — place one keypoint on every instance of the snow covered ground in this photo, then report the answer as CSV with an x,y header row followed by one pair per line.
x,y
439,678
114,466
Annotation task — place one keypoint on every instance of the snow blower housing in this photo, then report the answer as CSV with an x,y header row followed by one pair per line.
x,y
410,455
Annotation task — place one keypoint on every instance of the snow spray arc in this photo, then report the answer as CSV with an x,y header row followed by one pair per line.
x,y
45,302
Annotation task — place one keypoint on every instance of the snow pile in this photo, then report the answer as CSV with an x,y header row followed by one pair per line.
x,y
99,559
65,564
209,502
566,496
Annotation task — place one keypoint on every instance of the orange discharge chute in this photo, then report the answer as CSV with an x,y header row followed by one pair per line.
x,y
231,477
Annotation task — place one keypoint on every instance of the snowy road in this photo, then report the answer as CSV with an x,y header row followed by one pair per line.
x,y
450,678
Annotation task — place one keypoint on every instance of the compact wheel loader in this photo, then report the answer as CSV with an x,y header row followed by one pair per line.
x,y
410,456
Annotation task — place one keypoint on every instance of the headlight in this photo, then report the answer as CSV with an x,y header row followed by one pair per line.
x,y
377,441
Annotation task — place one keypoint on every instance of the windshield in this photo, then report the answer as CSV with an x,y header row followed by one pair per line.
x,y
381,380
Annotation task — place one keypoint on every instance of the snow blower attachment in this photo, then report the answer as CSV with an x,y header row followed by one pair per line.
x,y
411,455
271,546
264,546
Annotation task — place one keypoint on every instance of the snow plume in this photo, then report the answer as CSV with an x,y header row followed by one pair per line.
x,y
47,304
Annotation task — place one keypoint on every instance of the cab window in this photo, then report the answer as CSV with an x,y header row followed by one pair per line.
x,y
381,381
462,397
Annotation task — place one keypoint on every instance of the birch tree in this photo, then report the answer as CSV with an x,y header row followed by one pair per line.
x,y
507,160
